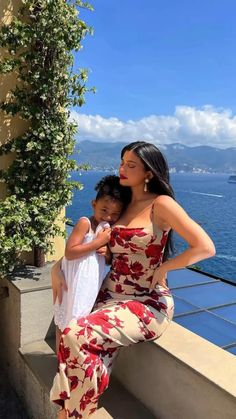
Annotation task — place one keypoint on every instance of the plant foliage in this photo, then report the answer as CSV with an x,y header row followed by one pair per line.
x,y
39,45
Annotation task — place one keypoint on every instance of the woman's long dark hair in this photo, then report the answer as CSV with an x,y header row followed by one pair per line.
x,y
154,160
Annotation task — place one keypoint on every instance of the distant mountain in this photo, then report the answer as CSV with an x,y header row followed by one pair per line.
x,y
104,155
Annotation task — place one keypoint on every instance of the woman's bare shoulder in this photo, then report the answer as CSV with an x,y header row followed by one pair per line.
x,y
164,207
164,201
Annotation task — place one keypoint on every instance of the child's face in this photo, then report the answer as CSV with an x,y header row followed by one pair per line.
x,y
107,209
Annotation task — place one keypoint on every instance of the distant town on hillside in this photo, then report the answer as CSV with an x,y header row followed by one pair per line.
x,y
181,158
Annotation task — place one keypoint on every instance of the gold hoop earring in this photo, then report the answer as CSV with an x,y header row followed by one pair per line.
x,y
145,189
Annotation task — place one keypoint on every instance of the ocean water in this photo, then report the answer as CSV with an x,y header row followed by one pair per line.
x,y
207,198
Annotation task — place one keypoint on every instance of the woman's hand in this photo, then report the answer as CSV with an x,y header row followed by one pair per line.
x,y
58,283
159,278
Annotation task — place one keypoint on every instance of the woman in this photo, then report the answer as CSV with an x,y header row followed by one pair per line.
x,y
134,304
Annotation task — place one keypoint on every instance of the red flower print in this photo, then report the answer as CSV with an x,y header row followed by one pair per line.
x,y
118,322
119,288
140,311
123,236
120,241
63,395
122,268
81,332
161,293
74,414
64,352
112,241
127,234
163,306
74,382
136,267
92,410
86,399
92,361
89,358
149,279
102,382
114,277
73,363
140,289
155,261
158,305
103,295
66,330
89,372
137,270
100,318
153,250
150,334
133,247
128,282
110,352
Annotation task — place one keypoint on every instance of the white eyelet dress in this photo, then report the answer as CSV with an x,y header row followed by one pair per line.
x,y
84,277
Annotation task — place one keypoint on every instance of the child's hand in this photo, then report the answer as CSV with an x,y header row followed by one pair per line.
x,y
105,251
104,236
102,250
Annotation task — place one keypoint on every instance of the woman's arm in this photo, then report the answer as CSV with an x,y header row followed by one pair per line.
x,y
169,214
74,246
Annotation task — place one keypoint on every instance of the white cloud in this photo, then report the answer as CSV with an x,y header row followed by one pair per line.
x,y
189,126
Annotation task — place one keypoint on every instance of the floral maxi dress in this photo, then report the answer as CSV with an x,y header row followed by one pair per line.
x,y
126,312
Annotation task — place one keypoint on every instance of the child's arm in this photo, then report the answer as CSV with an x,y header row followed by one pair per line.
x,y
74,246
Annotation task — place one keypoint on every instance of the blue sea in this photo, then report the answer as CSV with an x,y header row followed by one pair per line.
x,y
207,198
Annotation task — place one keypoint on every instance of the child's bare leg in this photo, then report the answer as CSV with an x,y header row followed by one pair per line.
x,y
58,338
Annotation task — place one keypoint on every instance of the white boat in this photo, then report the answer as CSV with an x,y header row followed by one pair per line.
x,y
232,179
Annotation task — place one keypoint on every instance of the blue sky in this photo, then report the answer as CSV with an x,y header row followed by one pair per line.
x,y
169,65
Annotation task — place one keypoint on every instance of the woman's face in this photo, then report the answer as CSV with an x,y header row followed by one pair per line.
x,y
132,171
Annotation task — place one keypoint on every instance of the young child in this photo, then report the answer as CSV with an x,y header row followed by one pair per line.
x,y
82,266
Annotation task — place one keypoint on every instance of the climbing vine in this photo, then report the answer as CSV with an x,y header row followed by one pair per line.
x,y
38,46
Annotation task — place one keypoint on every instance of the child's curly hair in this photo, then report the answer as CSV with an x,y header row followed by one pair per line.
x,y
110,186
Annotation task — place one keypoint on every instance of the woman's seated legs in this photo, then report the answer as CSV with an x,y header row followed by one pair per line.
x,y
88,347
